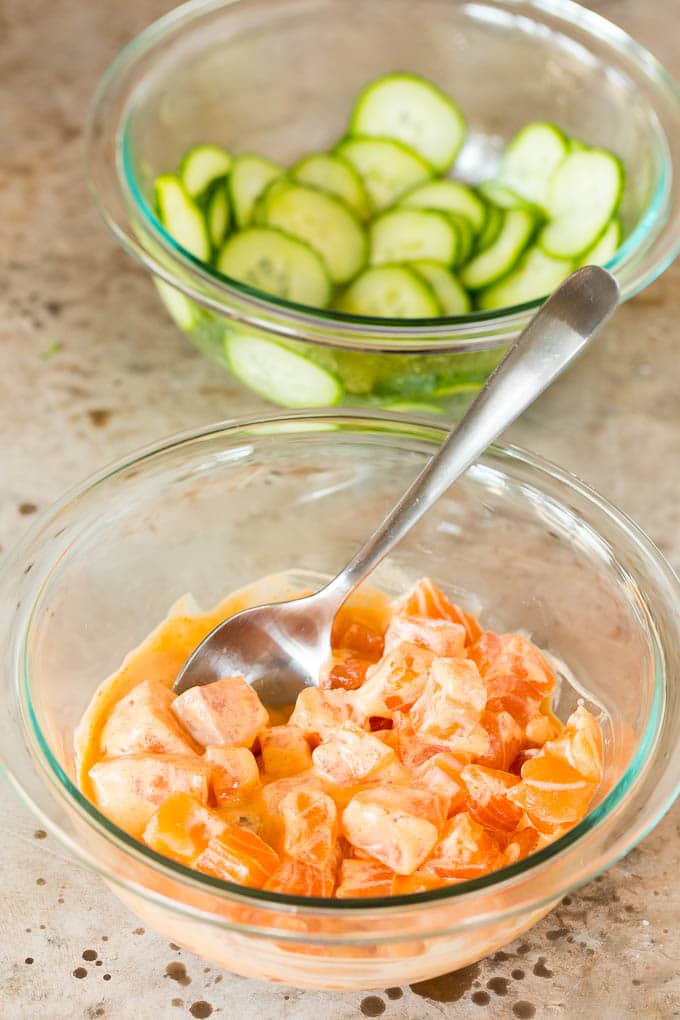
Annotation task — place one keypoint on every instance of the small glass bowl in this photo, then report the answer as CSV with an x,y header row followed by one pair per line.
x,y
516,540
278,77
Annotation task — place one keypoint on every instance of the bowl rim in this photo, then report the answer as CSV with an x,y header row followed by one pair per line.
x,y
400,426
171,263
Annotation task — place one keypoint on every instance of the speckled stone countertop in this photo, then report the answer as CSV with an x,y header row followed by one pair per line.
x,y
90,368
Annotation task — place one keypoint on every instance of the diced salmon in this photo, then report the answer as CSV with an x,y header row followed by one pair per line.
x,y
310,823
413,748
505,738
366,607
541,728
227,712
235,775
442,637
273,793
488,801
285,751
514,654
182,827
238,855
418,882
580,744
394,683
452,701
552,792
363,642
297,878
363,878
441,774
426,599
142,723
397,825
521,843
466,850
351,755
344,671
319,712
128,790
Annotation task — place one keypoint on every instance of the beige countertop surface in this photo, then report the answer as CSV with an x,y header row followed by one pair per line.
x,y
123,376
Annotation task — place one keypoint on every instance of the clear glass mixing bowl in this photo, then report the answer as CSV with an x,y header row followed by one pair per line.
x,y
278,77
515,540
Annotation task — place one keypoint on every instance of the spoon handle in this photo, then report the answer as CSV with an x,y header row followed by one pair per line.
x,y
556,334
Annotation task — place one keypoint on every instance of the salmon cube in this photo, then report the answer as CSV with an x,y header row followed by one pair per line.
x,y
394,683
580,744
397,825
350,755
227,712
466,850
235,775
319,712
541,728
238,855
441,774
274,792
513,655
522,843
552,792
363,642
419,881
363,878
285,751
182,827
488,797
442,637
297,878
426,599
142,723
128,790
344,671
366,607
310,823
505,738
453,699
413,748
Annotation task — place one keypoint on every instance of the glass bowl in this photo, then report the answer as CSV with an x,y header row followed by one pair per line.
x,y
278,77
516,540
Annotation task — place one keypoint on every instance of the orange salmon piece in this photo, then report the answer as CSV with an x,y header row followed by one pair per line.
x,y
466,850
142,723
367,609
488,797
452,702
413,748
238,855
182,827
580,744
426,599
234,776
274,792
521,844
285,751
310,824
227,712
344,672
419,881
397,825
359,878
297,878
363,642
350,755
441,774
443,638
128,790
506,738
317,712
394,683
552,792
514,654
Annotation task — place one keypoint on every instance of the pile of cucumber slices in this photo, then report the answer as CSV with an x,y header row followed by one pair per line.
x,y
377,227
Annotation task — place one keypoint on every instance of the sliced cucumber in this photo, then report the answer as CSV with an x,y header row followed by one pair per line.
x,y
466,237
271,261
583,195
450,196
531,158
181,217
449,291
386,167
336,175
249,177
605,248
414,407
201,166
404,235
501,195
390,292
184,312
413,111
278,374
535,276
218,213
492,228
500,257
324,222
576,145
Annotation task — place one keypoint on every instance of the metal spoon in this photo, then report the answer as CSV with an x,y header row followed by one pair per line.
x,y
281,647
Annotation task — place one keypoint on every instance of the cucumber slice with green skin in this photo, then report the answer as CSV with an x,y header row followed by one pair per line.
x,y
181,217
531,158
218,213
576,145
249,177
604,249
184,312
324,222
278,374
405,235
389,292
387,168
501,256
501,195
492,228
338,177
535,276
449,291
201,166
413,111
277,264
466,237
449,196
583,195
